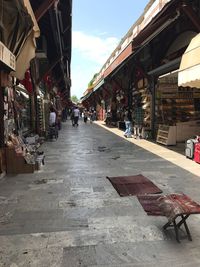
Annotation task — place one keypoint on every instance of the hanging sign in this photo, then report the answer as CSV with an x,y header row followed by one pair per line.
x,y
7,57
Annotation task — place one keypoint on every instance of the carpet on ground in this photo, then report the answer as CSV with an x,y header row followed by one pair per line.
x,y
133,185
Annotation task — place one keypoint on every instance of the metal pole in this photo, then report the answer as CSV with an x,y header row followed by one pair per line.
x,y
153,115
1,118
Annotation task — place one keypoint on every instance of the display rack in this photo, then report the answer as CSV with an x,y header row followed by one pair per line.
x,y
40,108
176,104
166,135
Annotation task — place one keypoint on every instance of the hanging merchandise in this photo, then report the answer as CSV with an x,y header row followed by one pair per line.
x,y
48,81
41,119
22,105
27,82
9,122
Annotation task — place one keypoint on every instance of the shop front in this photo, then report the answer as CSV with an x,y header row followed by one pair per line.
x,y
177,110
17,47
177,104
7,64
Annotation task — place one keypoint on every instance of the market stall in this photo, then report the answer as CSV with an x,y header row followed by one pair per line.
x,y
177,110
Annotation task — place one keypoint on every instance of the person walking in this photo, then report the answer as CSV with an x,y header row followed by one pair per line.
x,y
85,115
92,115
127,120
76,116
53,131
72,116
64,114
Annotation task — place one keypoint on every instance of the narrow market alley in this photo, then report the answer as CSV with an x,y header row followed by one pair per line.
x,y
68,214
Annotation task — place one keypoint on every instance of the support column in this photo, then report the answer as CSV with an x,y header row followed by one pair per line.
x,y
2,152
36,114
1,117
153,115
33,119
130,88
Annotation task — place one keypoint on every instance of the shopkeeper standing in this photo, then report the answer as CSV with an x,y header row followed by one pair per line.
x,y
138,121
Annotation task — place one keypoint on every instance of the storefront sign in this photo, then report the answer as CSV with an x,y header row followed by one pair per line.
x,y
7,57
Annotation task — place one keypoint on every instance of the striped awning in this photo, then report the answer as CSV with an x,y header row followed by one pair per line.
x,y
189,71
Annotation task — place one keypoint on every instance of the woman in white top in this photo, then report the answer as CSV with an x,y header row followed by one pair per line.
x,y
52,117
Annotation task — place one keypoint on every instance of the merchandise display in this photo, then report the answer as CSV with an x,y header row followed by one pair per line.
x,y
21,156
41,119
22,109
166,135
177,111
176,104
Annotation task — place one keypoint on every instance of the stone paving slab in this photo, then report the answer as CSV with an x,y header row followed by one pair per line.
x,y
33,258
127,254
68,213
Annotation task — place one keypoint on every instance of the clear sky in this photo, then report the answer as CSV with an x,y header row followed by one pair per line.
x,y
97,28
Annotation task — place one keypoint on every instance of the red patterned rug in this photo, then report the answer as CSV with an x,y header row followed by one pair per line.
x,y
150,205
133,185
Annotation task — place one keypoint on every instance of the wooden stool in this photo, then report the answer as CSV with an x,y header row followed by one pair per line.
x,y
178,206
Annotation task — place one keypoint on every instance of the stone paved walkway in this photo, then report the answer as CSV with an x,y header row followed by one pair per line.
x,y
68,214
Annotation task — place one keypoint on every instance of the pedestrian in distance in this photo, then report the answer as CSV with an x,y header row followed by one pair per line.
x,y
92,115
72,117
53,131
127,120
85,115
76,116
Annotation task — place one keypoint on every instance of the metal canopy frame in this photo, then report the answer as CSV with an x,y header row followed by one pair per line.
x,y
168,67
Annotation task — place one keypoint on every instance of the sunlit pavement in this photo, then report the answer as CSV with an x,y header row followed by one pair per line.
x,y
162,151
68,213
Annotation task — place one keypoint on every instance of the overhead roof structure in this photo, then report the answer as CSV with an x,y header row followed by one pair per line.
x,y
18,32
155,15
55,22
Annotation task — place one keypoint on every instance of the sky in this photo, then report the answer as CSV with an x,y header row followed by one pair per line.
x,y
97,28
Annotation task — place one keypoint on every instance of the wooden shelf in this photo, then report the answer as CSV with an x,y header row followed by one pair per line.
x,y
16,163
166,135
163,131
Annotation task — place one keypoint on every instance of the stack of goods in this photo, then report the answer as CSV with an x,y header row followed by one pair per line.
x,y
176,104
23,154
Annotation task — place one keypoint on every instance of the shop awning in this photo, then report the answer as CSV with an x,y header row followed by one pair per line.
x,y
86,97
189,71
98,85
27,51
